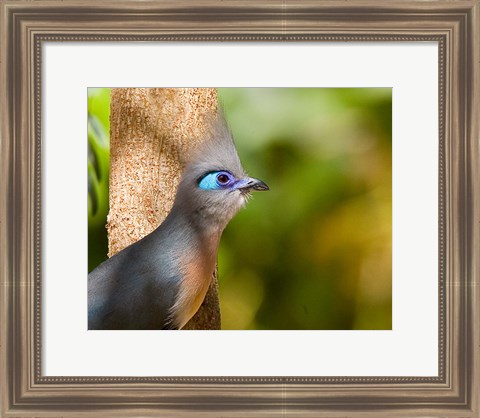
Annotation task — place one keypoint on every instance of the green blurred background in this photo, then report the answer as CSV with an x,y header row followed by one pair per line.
x,y
315,252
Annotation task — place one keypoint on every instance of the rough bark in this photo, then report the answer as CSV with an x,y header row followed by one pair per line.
x,y
152,133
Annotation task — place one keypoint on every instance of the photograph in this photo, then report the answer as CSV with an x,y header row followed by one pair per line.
x,y
314,253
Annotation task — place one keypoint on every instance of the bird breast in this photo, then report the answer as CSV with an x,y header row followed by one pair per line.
x,y
199,266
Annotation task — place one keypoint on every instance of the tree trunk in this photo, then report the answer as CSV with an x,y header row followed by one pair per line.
x,y
152,132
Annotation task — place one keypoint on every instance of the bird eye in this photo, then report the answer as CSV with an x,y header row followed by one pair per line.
x,y
223,179
215,180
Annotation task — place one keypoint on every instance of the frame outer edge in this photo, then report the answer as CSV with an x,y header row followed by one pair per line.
x,y
6,199
474,151
3,209
16,202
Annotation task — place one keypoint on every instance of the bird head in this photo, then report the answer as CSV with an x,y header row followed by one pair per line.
x,y
214,185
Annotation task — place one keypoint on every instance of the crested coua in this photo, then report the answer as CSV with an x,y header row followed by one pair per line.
x,y
160,281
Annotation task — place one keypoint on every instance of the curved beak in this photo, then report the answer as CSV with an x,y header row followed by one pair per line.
x,y
247,184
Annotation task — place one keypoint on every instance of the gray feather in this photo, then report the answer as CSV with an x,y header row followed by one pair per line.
x,y
136,288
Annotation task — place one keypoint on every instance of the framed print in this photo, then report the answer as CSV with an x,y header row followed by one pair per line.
x,y
363,118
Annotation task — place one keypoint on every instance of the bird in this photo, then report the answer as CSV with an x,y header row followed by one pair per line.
x,y
160,281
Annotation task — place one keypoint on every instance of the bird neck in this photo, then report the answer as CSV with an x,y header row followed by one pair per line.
x,y
208,229
201,226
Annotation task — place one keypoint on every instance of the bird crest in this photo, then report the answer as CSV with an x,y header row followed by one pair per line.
x,y
217,151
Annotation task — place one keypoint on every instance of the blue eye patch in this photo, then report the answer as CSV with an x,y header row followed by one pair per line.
x,y
216,180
